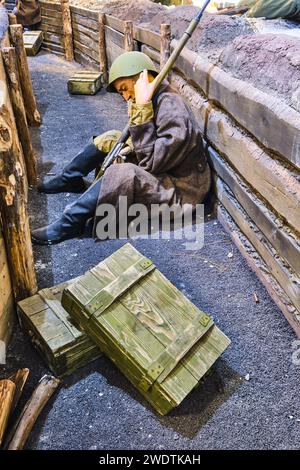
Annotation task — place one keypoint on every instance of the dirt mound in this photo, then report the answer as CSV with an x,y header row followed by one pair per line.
x,y
138,12
268,61
213,32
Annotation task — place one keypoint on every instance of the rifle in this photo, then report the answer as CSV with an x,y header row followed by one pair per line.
x,y
113,154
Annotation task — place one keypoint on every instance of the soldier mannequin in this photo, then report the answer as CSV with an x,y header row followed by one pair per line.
x,y
167,160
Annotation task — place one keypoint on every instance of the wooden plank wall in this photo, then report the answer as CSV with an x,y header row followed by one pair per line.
x,y
254,151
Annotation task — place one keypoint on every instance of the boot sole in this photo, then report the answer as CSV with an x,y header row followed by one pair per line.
x,y
37,241
62,191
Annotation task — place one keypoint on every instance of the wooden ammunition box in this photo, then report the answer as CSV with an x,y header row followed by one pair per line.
x,y
32,41
59,341
161,341
85,83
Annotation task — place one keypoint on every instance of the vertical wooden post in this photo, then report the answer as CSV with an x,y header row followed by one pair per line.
x,y
165,43
67,27
13,200
128,36
102,47
33,116
12,18
10,62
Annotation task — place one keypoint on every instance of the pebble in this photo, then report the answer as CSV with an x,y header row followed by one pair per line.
x,y
230,255
247,377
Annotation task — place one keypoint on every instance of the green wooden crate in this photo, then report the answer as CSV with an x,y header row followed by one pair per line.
x,y
61,344
161,341
32,41
85,83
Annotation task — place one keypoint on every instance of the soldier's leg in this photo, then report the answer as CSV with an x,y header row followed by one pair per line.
x,y
73,220
91,156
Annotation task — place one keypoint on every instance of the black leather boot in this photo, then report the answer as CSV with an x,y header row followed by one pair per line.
x,y
72,222
71,180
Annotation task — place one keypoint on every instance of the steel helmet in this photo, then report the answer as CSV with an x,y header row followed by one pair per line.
x,y
127,65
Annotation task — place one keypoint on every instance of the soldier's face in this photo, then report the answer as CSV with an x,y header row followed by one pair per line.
x,y
125,87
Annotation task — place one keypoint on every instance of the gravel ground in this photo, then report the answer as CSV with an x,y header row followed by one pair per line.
x,y
249,402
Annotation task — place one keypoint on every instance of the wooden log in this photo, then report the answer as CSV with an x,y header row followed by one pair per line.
x,y
31,411
19,378
13,200
165,44
12,18
128,36
256,263
11,67
276,183
281,238
286,278
67,28
7,390
7,308
102,47
33,116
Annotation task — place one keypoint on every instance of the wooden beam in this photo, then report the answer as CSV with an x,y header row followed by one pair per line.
x,y
85,21
128,36
13,200
102,47
67,28
256,263
286,278
165,44
11,67
147,37
12,19
286,243
276,183
272,122
32,114
115,23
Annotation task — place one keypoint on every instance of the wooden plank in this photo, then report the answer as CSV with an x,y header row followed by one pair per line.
x,y
147,37
53,38
86,50
275,124
45,5
113,51
276,183
78,28
85,60
85,12
50,14
51,28
53,47
256,263
115,23
86,41
114,36
83,21
285,242
286,278
53,22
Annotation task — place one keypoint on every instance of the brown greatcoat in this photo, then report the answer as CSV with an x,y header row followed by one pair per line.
x,y
170,165
28,12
